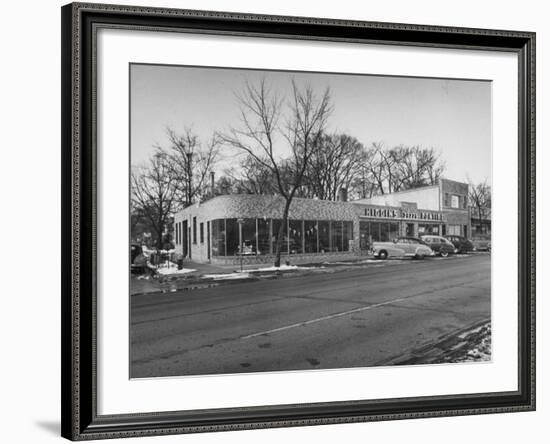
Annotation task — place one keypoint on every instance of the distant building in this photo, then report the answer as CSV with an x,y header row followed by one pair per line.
x,y
230,228
481,222
448,197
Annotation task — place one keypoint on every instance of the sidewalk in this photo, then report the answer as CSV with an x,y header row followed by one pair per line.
x,y
207,275
199,275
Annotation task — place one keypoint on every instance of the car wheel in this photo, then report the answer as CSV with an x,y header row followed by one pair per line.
x,y
443,253
383,255
419,256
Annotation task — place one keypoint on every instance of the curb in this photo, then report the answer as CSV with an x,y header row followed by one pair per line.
x,y
175,290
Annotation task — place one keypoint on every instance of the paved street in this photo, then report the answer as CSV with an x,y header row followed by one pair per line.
x,y
354,317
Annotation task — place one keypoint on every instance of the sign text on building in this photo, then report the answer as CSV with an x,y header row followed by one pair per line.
x,y
395,213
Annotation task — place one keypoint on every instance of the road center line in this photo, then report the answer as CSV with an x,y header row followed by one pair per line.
x,y
323,318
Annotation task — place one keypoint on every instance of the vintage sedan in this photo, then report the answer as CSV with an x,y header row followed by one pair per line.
x,y
462,244
482,243
439,245
402,247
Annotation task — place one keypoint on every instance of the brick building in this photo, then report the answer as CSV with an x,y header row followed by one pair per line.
x,y
231,228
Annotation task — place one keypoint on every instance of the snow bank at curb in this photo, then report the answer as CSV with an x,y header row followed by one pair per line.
x,y
173,270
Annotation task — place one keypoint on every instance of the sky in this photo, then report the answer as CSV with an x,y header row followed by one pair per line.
x,y
450,115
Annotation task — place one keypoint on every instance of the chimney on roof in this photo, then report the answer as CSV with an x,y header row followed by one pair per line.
x,y
212,183
343,195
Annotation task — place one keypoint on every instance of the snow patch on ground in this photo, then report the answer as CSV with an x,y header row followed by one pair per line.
x,y
478,346
227,276
283,268
249,273
172,269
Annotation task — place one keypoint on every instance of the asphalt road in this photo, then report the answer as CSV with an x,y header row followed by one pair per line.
x,y
354,317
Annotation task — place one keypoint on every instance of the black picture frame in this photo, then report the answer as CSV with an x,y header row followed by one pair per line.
x,y
80,420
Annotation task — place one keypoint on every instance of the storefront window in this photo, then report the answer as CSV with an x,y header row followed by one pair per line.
x,y
324,236
336,235
310,233
364,235
375,231
430,229
295,236
263,236
276,226
232,236
384,232
347,235
453,230
393,230
218,237
248,246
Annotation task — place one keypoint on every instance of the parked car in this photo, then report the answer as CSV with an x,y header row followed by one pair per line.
x,y
482,243
135,251
439,245
402,247
462,244
138,259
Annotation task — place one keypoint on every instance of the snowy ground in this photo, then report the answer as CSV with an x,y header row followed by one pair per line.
x,y
236,275
469,345
172,269
283,268
250,272
477,348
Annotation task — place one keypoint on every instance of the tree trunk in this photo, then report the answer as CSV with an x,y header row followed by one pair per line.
x,y
280,234
160,230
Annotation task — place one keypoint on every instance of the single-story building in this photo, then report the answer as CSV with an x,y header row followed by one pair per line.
x,y
234,228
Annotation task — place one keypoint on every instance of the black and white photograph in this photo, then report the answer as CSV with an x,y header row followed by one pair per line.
x,y
292,221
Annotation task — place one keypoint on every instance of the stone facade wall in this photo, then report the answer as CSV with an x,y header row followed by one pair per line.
x,y
292,259
260,206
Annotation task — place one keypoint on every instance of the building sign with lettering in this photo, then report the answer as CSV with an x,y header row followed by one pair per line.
x,y
400,213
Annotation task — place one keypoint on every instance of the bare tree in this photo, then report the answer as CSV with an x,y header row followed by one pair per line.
x,y
401,168
377,167
261,124
415,167
334,165
153,193
479,197
190,163
253,177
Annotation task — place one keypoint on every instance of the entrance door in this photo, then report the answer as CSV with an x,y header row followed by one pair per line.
x,y
208,238
189,242
410,230
183,239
